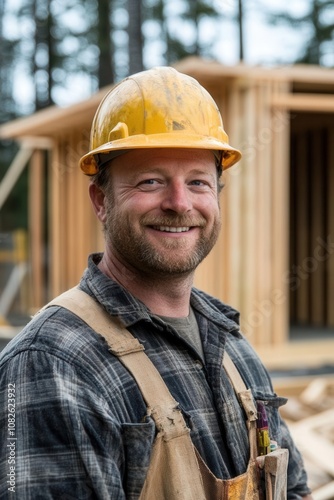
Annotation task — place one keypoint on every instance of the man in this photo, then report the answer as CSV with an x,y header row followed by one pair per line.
x,y
82,426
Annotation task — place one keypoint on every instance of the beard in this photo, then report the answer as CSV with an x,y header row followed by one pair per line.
x,y
174,257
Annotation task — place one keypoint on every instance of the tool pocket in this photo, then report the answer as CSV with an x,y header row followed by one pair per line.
x,y
274,469
274,465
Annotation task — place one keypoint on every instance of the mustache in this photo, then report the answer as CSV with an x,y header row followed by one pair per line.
x,y
173,220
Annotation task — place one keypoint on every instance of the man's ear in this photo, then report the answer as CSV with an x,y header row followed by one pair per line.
x,y
97,197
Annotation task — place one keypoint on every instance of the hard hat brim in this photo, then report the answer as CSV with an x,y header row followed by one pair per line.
x,y
177,140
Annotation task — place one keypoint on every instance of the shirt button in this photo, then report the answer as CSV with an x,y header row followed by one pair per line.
x,y
198,364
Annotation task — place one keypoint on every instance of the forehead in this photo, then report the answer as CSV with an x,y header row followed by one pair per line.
x,y
182,159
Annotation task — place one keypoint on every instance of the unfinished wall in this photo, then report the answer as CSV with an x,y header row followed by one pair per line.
x,y
246,267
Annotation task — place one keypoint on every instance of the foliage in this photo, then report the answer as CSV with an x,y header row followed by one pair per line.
x,y
179,26
319,22
57,45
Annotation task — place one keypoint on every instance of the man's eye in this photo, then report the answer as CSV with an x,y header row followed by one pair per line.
x,y
149,181
198,182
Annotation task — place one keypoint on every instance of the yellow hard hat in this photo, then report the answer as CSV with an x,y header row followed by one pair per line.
x,y
157,108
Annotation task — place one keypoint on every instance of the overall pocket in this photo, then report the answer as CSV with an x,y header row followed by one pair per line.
x,y
272,404
138,440
273,466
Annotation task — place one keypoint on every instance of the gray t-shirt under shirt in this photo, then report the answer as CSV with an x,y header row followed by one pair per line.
x,y
187,328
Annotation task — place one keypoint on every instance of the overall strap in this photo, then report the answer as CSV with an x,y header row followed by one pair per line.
x,y
160,403
246,399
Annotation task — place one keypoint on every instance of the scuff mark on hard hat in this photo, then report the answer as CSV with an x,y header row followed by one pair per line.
x,y
178,126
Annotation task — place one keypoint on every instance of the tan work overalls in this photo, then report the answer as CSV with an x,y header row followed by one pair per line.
x,y
176,470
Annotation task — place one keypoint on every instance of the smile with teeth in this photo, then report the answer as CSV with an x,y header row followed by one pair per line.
x,y
170,229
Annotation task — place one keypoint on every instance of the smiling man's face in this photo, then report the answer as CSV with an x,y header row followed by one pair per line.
x,y
161,211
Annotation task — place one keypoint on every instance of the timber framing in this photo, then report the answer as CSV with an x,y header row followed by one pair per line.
x,y
266,111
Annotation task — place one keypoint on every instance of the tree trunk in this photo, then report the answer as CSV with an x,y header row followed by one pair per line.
x,y
42,71
135,36
106,74
241,34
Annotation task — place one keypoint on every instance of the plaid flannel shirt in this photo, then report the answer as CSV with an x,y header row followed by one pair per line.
x,y
80,428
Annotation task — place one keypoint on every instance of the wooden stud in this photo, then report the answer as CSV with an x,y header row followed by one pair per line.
x,y
248,240
280,219
328,254
264,140
36,220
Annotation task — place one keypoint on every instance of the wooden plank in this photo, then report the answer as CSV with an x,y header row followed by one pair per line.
x,y
326,492
251,318
13,173
210,274
12,288
290,387
298,354
209,71
316,391
280,165
330,230
264,194
217,275
36,224
79,235
64,215
231,231
314,446
315,422
90,229
83,227
71,193
32,142
53,121
57,220
221,248
323,103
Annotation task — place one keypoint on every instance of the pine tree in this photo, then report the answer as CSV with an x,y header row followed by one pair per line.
x,y
106,70
194,13
135,36
171,16
319,45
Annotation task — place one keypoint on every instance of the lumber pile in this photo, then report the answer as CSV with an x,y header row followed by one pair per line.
x,y
310,416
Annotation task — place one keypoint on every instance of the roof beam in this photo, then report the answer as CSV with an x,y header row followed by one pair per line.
x,y
317,103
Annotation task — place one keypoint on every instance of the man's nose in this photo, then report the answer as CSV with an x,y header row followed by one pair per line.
x,y
176,198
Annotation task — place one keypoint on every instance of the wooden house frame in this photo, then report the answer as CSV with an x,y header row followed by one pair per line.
x,y
273,260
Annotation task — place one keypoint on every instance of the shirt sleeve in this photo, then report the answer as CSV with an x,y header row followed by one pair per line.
x,y
58,437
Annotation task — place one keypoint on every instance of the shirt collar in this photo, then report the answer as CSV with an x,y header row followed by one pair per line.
x,y
111,295
119,302
215,310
